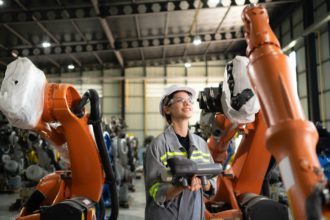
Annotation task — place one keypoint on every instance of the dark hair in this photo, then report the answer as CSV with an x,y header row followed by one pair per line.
x,y
166,102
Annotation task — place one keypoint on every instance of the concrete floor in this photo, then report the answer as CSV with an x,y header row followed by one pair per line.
x,y
134,212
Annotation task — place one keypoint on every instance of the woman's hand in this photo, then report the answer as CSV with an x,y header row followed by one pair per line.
x,y
195,185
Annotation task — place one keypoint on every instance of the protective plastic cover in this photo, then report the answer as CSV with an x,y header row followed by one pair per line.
x,y
22,93
236,81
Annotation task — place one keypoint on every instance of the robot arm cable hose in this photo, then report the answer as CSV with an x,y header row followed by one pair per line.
x,y
102,209
94,119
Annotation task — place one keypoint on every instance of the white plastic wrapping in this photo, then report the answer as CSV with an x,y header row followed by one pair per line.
x,y
247,112
22,93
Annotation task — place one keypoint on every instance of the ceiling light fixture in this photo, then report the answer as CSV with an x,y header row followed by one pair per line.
x,y
187,65
197,40
226,3
71,67
2,2
45,44
240,2
14,53
212,3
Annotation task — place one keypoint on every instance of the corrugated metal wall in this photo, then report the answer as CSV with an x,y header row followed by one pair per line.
x,y
292,28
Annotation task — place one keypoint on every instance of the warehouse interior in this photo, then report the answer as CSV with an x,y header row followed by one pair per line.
x,y
131,51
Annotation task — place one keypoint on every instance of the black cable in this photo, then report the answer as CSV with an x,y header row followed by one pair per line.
x,y
95,120
102,209
34,202
202,213
78,109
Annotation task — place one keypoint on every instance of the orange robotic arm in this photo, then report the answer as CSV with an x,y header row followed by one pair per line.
x,y
280,129
85,177
84,159
63,122
289,136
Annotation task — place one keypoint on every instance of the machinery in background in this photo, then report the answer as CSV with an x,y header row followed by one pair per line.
x,y
57,112
323,149
12,159
25,159
141,152
106,194
124,156
39,160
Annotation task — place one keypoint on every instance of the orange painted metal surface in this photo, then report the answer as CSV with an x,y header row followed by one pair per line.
x,y
218,145
247,172
289,136
86,176
280,128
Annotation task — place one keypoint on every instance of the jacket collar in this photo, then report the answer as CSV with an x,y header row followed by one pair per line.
x,y
172,139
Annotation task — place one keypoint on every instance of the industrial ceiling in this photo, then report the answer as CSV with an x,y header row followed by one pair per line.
x,y
92,34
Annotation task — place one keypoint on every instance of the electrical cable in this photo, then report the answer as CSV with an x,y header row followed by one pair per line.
x,y
95,121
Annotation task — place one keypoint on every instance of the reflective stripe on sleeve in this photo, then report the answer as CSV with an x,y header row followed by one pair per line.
x,y
200,158
200,155
153,190
168,155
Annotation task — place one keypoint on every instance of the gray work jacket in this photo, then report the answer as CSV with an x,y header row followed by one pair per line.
x,y
188,205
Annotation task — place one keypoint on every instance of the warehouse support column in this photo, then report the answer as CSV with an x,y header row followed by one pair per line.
x,y
206,71
145,101
123,94
311,68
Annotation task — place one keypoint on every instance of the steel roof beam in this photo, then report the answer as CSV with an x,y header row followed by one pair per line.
x,y
18,35
43,28
127,45
193,25
58,50
98,58
36,20
138,32
182,44
108,11
53,62
74,59
182,60
165,34
108,33
217,29
174,41
79,31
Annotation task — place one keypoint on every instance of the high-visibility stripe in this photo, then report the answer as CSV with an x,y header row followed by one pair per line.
x,y
153,190
172,154
200,152
196,155
199,157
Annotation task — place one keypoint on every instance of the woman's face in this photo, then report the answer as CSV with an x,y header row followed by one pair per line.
x,y
181,106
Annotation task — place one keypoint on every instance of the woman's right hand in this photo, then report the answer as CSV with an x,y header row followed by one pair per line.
x,y
196,184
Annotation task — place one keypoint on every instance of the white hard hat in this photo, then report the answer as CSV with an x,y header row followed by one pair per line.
x,y
175,88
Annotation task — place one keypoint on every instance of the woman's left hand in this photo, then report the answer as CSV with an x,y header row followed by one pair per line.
x,y
196,184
